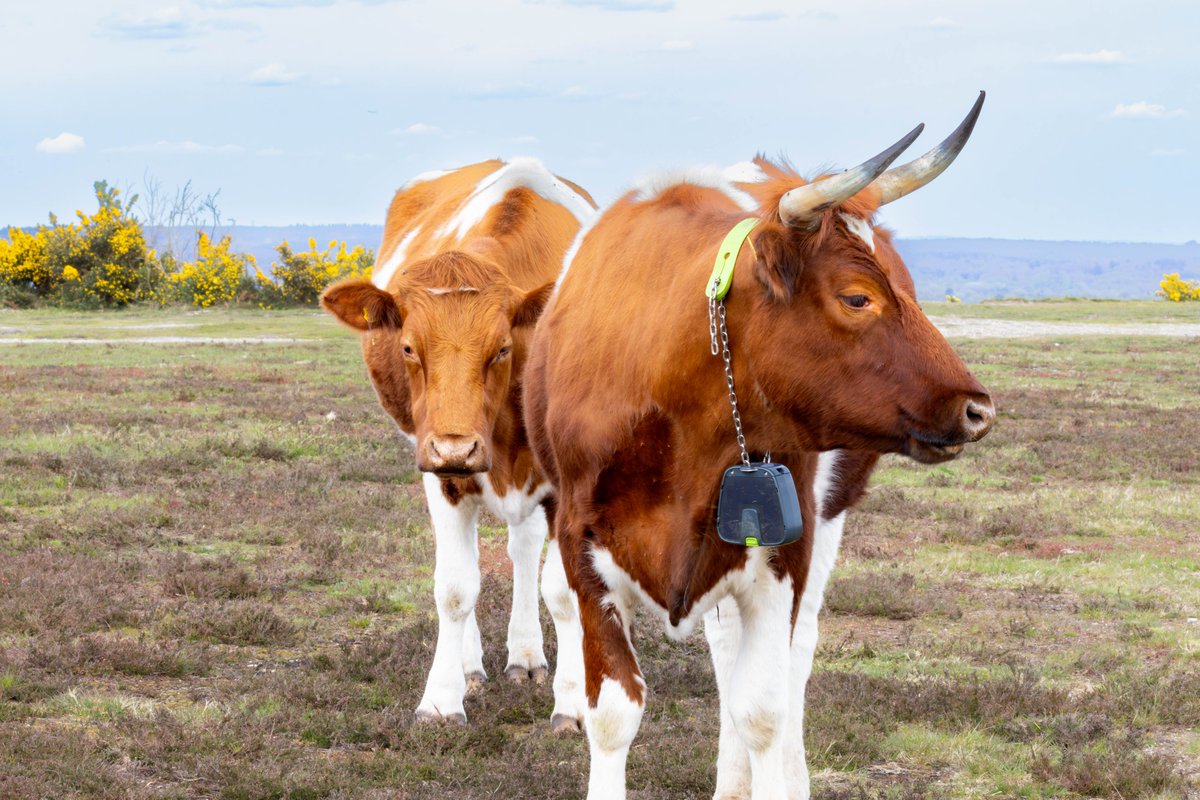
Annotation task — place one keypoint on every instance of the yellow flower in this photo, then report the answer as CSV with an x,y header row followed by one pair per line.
x,y
69,273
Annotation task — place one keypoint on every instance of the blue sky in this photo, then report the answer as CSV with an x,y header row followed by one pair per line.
x,y
315,111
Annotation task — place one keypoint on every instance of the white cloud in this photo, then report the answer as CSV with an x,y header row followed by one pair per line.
x,y
1144,110
273,74
185,147
63,143
161,23
1098,58
418,129
941,24
677,45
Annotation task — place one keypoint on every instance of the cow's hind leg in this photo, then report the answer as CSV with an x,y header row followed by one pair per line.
x,y
760,679
455,588
526,657
569,699
723,629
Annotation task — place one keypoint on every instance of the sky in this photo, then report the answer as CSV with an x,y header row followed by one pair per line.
x,y
316,111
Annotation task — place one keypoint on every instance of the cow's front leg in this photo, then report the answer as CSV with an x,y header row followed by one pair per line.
x,y
723,629
760,679
455,588
526,658
827,538
569,699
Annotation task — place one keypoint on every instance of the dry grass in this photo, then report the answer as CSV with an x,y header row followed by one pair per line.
x,y
210,589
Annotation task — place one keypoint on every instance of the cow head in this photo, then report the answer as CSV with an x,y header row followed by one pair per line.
x,y
442,350
840,340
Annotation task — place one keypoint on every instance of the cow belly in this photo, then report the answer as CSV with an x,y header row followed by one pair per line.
x,y
626,593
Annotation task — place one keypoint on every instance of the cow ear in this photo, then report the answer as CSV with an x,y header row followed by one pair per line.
x,y
530,307
361,305
778,266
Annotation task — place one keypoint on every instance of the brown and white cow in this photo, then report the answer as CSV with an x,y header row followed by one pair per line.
x,y
468,260
627,410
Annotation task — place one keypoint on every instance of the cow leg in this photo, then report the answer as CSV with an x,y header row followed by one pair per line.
x,y
526,658
723,629
760,677
826,540
473,655
569,699
455,588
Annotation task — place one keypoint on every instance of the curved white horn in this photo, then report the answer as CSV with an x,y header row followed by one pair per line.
x,y
897,182
804,203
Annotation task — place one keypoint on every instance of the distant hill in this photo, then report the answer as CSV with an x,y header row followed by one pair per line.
x,y
971,269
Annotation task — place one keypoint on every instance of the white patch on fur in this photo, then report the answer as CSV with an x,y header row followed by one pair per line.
x,y
745,172
516,505
431,175
624,591
452,291
528,173
652,186
611,727
860,228
584,230
382,275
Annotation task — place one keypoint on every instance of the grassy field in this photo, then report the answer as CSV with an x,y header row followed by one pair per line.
x,y
215,582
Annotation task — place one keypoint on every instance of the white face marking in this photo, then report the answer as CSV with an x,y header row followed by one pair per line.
x,y
382,275
452,291
652,186
520,172
860,228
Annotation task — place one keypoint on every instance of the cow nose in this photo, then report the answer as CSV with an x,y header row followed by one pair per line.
x,y
977,418
455,454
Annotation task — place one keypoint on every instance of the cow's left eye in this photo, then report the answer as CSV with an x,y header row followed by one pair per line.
x,y
856,300
504,353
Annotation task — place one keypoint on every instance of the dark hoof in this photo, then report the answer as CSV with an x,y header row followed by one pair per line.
x,y
566,726
518,674
475,682
432,717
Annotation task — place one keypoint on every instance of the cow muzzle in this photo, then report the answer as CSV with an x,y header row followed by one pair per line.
x,y
454,455
975,416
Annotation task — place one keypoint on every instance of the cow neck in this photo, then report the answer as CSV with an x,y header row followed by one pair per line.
x,y
718,287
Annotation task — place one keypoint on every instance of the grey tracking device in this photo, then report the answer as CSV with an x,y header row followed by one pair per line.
x,y
758,506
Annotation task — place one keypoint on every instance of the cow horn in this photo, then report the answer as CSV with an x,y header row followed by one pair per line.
x,y
897,182
802,204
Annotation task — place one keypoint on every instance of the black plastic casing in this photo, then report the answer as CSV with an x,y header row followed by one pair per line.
x,y
758,506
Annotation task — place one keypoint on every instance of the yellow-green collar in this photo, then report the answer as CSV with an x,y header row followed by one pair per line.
x,y
722,274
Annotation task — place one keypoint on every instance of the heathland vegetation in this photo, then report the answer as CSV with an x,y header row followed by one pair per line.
x,y
216,582
104,259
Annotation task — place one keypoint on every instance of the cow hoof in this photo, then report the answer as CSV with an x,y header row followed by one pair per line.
x,y
517,674
475,682
539,674
564,725
433,717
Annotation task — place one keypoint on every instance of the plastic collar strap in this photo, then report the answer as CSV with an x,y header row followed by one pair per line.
x,y
722,274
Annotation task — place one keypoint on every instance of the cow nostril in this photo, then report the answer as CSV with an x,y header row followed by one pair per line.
x,y
979,417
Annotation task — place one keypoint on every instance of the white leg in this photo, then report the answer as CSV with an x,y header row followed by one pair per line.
x,y
526,658
455,588
827,539
759,678
723,629
473,655
569,699
611,726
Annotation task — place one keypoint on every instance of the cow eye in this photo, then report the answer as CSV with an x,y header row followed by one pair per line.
x,y
856,300
409,352
503,353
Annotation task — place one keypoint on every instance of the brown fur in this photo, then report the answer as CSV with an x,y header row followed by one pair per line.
x,y
627,408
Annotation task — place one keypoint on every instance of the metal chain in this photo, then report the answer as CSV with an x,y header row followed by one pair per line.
x,y
718,329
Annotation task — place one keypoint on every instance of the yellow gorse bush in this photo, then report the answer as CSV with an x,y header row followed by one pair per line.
x,y
215,276
301,277
1178,290
101,258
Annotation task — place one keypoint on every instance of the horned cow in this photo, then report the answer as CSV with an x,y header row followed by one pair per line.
x,y
467,262
628,412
